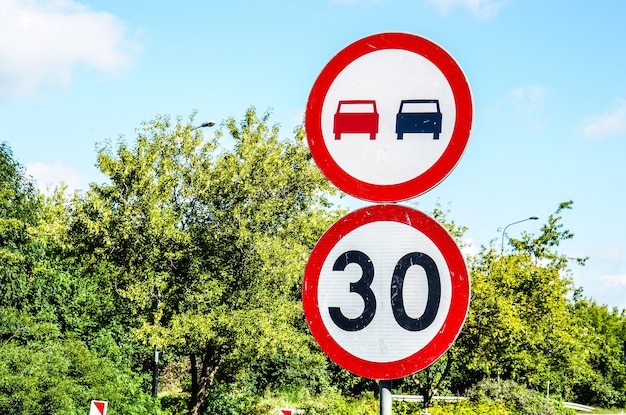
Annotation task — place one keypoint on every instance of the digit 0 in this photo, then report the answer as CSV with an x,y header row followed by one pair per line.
x,y
434,291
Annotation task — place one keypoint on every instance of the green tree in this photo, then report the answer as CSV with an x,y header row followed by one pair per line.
x,y
19,210
603,336
49,311
519,326
208,244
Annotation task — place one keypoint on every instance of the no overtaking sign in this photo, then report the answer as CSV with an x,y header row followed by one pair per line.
x,y
389,117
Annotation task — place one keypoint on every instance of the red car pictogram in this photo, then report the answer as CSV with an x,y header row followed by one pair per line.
x,y
356,116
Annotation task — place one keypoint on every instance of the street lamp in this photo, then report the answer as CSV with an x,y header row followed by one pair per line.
x,y
505,228
210,123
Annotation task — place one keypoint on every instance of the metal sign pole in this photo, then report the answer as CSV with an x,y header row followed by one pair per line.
x,y
385,397
155,373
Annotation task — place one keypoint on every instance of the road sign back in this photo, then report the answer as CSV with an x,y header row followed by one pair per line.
x,y
389,117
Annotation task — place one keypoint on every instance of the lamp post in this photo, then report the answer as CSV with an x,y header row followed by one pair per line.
x,y
210,123
514,223
155,367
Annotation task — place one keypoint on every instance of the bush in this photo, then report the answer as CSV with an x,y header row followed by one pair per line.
x,y
330,401
457,408
517,398
62,376
337,404
470,408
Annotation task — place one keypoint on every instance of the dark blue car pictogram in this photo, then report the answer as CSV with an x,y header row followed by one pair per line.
x,y
421,116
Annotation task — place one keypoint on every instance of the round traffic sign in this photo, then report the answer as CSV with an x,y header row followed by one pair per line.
x,y
385,291
389,117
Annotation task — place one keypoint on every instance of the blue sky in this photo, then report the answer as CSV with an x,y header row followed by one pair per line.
x,y
547,81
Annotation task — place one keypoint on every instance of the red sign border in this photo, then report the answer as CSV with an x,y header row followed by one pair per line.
x,y
433,175
459,301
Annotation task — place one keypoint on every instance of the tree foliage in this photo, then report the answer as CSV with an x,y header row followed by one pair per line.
x,y
207,245
196,246
603,335
58,347
19,209
518,399
45,372
522,323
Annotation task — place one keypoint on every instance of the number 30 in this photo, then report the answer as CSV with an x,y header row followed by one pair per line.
x,y
362,288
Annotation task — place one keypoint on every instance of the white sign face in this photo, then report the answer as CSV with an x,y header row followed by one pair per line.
x,y
389,117
386,291
387,77
385,243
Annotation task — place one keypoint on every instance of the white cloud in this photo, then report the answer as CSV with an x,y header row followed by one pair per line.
x,y
42,42
49,176
523,103
598,127
523,106
614,281
609,255
528,99
483,9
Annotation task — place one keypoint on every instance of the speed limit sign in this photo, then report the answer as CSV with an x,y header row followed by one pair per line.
x,y
385,291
